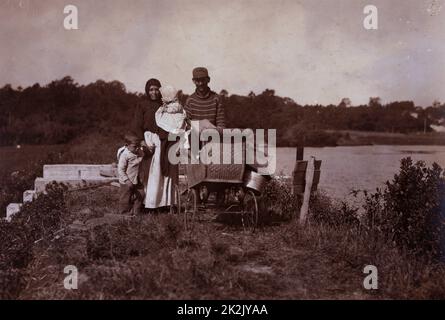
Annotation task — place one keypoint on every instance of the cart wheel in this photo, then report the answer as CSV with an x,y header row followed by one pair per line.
x,y
190,208
250,211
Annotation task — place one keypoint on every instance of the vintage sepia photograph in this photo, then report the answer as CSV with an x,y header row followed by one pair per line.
x,y
242,150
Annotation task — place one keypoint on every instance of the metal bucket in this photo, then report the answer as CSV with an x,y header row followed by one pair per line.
x,y
255,181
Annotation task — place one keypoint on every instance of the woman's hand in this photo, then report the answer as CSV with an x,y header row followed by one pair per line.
x,y
151,148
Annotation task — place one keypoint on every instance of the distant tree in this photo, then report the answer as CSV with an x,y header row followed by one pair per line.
x,y
288,101
7,87
345,103
224,93
436,104
182,97
268,93
118,85
251,94
375,102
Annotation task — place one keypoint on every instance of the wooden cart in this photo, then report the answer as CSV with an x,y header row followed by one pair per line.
x,y
203,179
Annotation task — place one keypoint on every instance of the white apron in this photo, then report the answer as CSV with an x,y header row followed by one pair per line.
x,y
160,190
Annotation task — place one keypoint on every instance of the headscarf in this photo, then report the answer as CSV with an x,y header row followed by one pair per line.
x,y
151,82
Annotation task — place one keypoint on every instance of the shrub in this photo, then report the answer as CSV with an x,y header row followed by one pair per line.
x,y
323,210
36,221
408,210
277,201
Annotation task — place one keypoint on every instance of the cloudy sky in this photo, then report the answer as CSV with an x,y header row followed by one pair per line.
x,y
314,51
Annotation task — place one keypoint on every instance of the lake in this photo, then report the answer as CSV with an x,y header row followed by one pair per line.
x,y
342,169
358,167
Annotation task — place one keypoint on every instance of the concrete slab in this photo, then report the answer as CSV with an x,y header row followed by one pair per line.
x,y
29,196
12,209
75,171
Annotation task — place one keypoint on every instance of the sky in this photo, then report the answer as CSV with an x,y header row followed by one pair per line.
x,y
314,51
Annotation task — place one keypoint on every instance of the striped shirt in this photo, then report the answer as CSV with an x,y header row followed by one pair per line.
x,y
208,107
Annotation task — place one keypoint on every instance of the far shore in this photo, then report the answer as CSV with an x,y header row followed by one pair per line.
x,y
363,138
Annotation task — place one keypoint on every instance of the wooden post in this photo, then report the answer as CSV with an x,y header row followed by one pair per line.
x,y
307,190
299,157
300,153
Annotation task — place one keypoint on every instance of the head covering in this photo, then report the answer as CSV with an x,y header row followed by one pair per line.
x,y
168,93
200,72
152,82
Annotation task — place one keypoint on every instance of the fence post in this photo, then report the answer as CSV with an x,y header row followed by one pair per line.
x,y
300,153
299,157
307,190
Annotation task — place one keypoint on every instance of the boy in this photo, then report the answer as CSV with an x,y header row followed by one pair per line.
x,y
131,191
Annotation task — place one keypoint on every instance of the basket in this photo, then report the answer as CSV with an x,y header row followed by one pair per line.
x,y
223,173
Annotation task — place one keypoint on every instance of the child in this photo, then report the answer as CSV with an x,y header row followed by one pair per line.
x,y
131,189
171,115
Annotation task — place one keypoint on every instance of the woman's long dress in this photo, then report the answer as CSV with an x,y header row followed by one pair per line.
x,y
160,190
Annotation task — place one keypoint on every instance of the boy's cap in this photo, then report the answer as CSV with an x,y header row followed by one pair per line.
x,y
200,72
131,138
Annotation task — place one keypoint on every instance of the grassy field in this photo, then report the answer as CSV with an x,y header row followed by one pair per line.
x,y
154,257
16,159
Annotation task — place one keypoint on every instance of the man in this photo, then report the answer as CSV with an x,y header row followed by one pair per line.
x,y
204,104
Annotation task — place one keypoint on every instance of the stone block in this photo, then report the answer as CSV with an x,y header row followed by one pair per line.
x,y
29,195
12,209
75,171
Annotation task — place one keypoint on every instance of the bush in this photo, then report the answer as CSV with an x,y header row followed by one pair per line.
x,y
408,210
325,212
36,221
278,202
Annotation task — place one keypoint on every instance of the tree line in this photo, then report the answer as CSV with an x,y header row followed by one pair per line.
x,y
63,110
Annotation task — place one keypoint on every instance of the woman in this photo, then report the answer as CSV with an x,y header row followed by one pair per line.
x,y
160,178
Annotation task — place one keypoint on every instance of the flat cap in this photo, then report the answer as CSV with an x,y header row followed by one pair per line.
x,y
200,72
